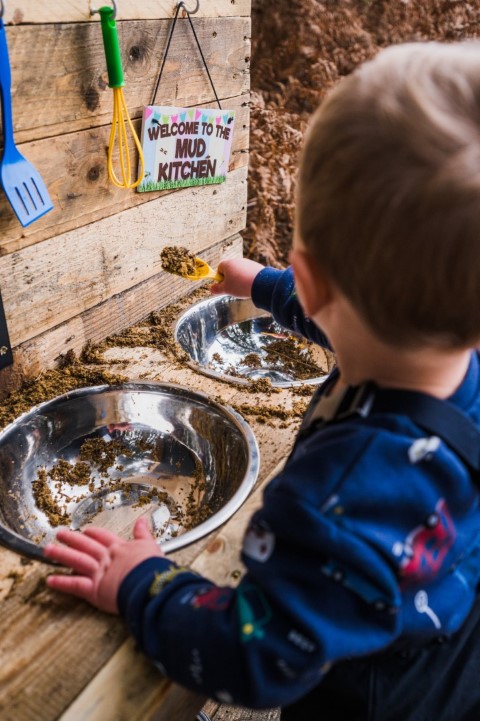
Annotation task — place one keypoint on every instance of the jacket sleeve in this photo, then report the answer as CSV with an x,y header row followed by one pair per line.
x,y
274,291
297,610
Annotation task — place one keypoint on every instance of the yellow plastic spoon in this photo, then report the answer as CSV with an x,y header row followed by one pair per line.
x,y
204,271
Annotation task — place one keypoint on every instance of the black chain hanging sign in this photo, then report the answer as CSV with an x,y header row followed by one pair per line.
x,y
185,146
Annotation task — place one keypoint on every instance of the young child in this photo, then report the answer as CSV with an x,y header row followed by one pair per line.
x,y
362,566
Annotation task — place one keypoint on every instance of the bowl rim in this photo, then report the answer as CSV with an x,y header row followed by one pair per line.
x,y
19,544
211,372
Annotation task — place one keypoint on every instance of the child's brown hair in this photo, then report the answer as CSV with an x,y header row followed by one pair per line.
x,y
388,198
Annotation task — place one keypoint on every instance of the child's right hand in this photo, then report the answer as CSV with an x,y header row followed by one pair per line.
x,y
239,275
101,560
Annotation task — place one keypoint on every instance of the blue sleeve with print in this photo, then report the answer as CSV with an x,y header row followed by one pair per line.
x,y
270,640
274,291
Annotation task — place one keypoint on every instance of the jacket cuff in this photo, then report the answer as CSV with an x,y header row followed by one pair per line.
x,y
139,577
263,287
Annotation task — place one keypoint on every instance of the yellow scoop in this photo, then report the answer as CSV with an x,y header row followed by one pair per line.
x,y
204,271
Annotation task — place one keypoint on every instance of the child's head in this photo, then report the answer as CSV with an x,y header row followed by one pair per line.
x,y
389,193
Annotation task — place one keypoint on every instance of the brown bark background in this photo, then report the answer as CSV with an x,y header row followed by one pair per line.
x,y
300,49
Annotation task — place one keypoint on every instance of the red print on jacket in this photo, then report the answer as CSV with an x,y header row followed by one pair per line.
x,y
213,598
426,546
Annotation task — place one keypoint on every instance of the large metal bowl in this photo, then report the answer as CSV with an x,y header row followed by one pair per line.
x,y
223,334
183,460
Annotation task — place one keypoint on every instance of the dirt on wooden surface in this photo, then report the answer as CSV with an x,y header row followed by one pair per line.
x,y
299,51
219,712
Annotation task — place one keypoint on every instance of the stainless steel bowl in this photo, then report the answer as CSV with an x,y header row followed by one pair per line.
x,y
180,458
223,334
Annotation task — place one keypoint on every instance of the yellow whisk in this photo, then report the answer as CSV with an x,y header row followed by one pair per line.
x,y
120,112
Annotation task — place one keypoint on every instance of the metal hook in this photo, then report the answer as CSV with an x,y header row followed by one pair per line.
x,y
2,8
181,4
93,12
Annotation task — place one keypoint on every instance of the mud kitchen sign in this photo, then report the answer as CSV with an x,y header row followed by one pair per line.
x,y
185,146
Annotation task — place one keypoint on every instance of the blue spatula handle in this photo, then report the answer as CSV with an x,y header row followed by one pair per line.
x,y
5,91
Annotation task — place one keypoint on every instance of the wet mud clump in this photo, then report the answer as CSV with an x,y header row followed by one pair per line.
x,y
178,260
96,456
67,482
295,357
70,374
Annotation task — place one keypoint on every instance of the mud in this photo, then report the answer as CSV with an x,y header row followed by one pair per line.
x,y
178,260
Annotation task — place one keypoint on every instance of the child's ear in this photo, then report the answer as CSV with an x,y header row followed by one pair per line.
x,y
313,285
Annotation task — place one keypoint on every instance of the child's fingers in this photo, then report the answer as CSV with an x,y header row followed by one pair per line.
x,y
78,586
141,530
216,288
102,535
82,542
77,560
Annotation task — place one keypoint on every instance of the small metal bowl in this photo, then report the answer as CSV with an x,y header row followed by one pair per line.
x,y
229,338
181,459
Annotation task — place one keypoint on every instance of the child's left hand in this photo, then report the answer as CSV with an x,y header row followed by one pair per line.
x,y
101,560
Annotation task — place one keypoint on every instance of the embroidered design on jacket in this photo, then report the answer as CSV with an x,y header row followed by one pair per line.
x,y
214,598
162,579
258,542
421,605
253,611
423,449
427,545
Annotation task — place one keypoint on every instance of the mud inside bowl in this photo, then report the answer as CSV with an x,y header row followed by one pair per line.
x,y
229,338
105,455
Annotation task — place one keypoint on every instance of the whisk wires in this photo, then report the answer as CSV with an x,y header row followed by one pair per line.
x,y
120,117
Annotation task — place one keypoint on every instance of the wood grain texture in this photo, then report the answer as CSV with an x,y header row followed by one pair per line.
x,y
37,632
60,80
236,713
74,168
99,241
50,282
101,701
46,11
97,704
106,318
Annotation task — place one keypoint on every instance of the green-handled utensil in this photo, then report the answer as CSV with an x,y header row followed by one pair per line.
x,y
21,181
121,119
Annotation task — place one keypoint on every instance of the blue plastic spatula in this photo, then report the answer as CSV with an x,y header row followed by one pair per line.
x,y
21,181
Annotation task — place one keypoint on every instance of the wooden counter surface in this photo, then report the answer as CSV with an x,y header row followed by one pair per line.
x,y
63,660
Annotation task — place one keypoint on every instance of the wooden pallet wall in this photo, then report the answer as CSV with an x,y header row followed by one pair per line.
x,y
91,266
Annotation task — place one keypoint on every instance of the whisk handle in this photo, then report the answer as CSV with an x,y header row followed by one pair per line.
x,y
112,47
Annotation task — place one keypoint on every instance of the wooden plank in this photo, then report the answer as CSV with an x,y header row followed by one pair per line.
x,y
236,713
50,282
177,705
35,635
105,319
74,169
102,698
71,92
46,11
